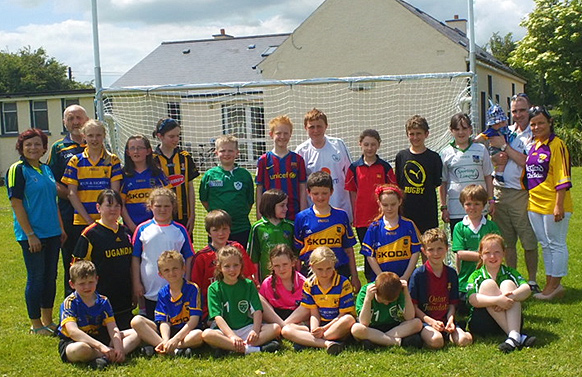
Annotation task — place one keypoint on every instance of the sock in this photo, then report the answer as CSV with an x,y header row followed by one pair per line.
x,y
251,349
515,336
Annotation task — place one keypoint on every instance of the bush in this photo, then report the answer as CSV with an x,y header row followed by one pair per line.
x,y
572,138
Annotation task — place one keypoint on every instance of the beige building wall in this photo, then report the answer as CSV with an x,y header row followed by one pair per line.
x,y
373,37
8,153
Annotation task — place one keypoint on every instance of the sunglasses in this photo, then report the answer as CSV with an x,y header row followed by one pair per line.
x,y
537,110
520,95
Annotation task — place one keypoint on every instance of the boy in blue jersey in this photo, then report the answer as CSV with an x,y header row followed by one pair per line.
x,y
324,225
177,315
88,330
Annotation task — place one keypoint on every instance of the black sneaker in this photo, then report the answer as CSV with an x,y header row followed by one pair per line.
x,y
535,288
147,351
335,348
528,341
412,341
508,346
99,363
298,347
271,346
368,345
220,353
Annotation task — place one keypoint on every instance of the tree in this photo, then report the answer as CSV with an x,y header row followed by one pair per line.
x,y
552,48
33,71
501,47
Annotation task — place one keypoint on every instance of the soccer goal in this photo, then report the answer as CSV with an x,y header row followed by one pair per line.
x,y
352,104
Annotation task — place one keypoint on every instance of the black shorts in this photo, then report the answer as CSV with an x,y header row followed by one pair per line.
x,y
384,327
481,323
102,336
283,313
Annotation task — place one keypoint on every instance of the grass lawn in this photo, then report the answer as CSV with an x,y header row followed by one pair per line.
x,y
553,324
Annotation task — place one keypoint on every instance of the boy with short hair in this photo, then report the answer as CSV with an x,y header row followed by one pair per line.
x,y
419,173
87,328
229,187
386,314
217,224
324,225
434,289
282,169
468,233
326,153
177,315
496,122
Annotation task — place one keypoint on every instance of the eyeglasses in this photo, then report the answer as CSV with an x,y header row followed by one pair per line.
x,y
136,149
166,123
520,95
537,110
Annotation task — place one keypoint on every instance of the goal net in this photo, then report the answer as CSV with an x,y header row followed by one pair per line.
x,y
352,104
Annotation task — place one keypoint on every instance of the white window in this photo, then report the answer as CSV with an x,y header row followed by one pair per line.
x,y
247,123
9,118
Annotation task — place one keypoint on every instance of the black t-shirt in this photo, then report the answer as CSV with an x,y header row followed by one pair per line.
x,y
110,251
419,175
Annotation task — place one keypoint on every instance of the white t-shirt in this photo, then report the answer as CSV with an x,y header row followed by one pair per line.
x,y
462,168
513,172
149,242
333,158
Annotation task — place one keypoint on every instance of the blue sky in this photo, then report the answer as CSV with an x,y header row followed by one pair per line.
x,y
130,29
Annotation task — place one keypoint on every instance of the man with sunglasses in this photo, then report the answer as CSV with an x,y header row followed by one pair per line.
x,y
512,195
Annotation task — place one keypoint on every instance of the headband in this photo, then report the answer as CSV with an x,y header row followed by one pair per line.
x,y
382,189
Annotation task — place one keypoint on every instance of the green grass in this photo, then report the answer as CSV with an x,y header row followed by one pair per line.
x,y
556,326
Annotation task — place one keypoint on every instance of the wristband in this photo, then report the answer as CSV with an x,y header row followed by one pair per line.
x,y
444,207
30,234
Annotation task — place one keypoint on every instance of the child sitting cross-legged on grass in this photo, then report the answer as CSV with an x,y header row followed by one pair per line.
x,y
177,313
329,297
88,330
386,314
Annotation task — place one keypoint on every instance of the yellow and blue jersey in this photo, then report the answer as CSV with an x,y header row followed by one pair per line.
x,y
333,230
91,178
392,247
89,319
337,299
177,312
135,192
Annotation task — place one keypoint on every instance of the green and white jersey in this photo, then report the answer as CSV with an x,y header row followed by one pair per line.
x,y
505,273
383,314
235,303
263,237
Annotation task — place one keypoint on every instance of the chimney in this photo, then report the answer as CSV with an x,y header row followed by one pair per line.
x,y
457,23
222,35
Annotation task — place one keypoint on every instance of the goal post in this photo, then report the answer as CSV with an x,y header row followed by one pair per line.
x,y
352,104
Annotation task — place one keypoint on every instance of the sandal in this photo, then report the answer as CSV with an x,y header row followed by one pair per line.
x,y
44,331
507,347
53,327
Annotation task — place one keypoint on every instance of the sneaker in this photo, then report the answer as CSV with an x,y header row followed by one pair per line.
x,y
147,351
220,353
298,347
187,352
335,348
368,345
412,341
99,363
508,346
535,288
271,346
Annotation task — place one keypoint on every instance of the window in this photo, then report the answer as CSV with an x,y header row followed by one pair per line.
x,y
9,118
39,115
490,86
66,102
174,111
247,123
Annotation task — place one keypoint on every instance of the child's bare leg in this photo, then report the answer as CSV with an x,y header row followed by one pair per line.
x,y
269,331
432,338
361,332
490,288
302,335
217,339
513,314
146,329
193,339
340,328
269,314
81,352
299,315
406,328
130,340
461,338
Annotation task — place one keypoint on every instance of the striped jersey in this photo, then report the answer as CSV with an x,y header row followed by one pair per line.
x,y
337,299
135,191
91,177
89,319
283,173
180,170
177,311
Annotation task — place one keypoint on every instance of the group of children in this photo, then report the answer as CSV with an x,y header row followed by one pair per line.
x,y
241,303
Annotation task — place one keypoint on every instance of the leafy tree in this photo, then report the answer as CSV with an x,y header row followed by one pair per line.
x,y
501,47
552,49
33,71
